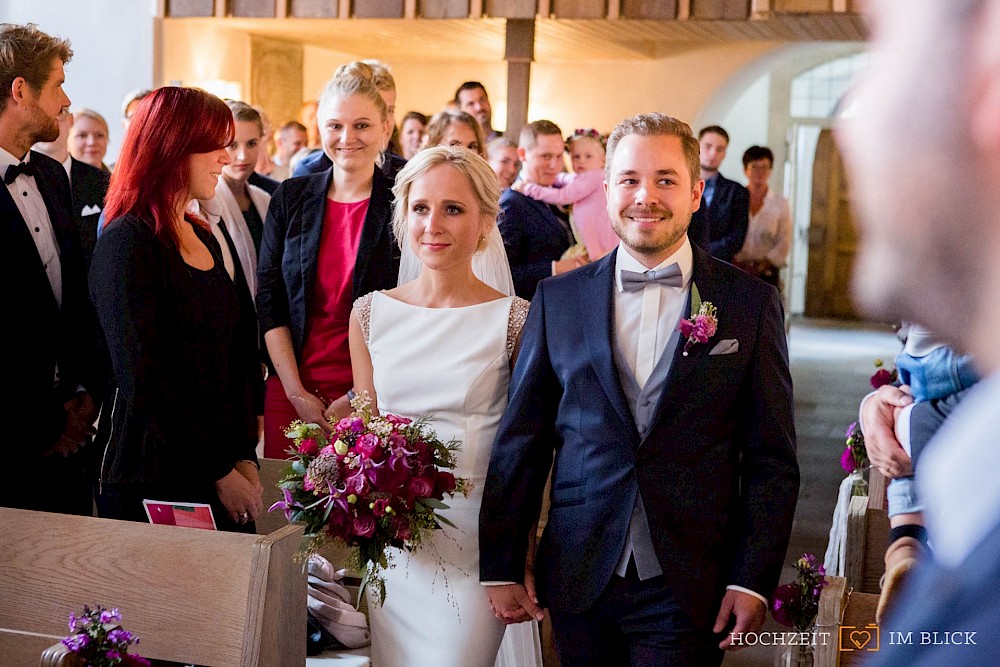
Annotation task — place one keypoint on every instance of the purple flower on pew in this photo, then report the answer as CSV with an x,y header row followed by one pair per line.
x,y
100,641
796,604
111,616
76,643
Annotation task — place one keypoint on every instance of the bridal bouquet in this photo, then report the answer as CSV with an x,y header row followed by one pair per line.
x,y
375,482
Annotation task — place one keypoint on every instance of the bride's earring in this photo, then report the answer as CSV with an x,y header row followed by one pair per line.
x,y
481,245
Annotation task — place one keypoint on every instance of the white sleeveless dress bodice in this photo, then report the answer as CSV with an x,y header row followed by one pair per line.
x,y
453,365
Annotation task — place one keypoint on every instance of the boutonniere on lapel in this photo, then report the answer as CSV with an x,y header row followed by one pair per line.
x,y
702,324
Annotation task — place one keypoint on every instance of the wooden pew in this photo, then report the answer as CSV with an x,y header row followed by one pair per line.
x,y
842,608
867,537
191,596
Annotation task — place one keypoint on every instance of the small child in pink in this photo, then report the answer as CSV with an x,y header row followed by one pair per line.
x,y
584,189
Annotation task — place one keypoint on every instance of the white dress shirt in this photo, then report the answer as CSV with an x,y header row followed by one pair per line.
x,y
28,198
645,319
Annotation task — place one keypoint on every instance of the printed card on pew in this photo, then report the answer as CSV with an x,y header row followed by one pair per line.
x,y
188,515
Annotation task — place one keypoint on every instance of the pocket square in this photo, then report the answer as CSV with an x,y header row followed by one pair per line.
x,y
727,346
90,210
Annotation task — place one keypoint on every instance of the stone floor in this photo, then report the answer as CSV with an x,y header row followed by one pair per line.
x,y
831,363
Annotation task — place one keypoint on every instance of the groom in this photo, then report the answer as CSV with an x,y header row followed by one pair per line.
x,y
675,476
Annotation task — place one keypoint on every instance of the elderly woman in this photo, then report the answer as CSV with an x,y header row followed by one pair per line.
x,y
327,241
180,424
769,235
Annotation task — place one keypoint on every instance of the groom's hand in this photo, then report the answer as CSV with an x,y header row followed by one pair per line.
x,y
749,613
511,603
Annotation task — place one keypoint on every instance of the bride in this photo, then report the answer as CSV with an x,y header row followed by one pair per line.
x,y
442,344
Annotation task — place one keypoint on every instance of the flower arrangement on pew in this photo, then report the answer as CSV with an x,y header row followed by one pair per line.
x,y
854,458
374,482
795,605
99,640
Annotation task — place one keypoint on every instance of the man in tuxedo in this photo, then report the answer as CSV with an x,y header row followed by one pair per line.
x,y
88,185
720,223
49,329
930,253
675,476
536,234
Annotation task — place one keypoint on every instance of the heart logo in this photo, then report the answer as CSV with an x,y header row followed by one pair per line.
x,y
860,638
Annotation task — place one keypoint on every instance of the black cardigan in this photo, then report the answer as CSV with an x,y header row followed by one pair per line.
x,y
154,430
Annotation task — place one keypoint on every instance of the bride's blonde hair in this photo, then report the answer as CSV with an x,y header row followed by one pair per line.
x,y
476,169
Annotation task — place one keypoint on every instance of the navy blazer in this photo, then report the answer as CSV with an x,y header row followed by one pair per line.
x,y
717,470
289,251
721,228
533,237
90,187
40,333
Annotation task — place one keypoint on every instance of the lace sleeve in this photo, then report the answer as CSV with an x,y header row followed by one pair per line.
x,y
363,307
518,313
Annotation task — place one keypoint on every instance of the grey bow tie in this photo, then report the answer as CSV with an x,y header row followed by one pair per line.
x,y
668,277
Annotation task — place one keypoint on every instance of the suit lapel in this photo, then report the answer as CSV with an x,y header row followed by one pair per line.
x,y
313,208
598,331
372,231
704,277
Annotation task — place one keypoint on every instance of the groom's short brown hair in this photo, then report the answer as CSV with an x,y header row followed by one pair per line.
x,y
656,124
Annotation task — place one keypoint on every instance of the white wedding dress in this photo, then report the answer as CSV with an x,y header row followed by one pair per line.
x,y
452,364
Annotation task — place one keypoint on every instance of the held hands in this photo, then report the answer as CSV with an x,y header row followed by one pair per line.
x,y
878,414
749,614
339,409
310,408
241,496
515,603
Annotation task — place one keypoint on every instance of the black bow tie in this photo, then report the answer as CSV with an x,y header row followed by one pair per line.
x,y
26,168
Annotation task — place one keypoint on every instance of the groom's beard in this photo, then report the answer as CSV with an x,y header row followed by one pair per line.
x,y
654,239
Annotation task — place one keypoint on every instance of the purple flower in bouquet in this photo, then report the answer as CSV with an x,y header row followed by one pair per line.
x,y
111,616
309,447
380,506
364,525
350,424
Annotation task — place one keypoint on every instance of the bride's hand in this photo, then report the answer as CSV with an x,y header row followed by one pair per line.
x,y
512,604
310,409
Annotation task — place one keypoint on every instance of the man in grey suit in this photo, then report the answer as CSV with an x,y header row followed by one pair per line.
x,y
931,254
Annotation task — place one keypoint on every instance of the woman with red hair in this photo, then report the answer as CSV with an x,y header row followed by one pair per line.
x,y
180,423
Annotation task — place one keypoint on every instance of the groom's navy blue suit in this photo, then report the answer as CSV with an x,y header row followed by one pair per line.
x,y
716,471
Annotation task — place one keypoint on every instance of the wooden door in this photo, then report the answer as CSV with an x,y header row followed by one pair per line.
x,y
833,237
